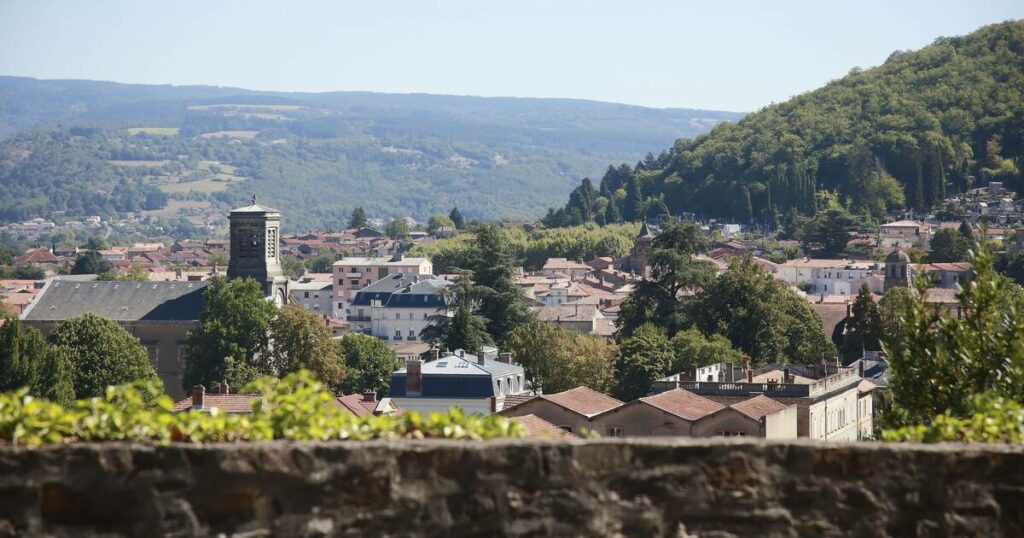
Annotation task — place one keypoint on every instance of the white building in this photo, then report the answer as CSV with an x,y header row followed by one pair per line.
x,y
397,307
313,295
832,277
352,274
904,234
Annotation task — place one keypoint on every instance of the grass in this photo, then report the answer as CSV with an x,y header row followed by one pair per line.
x,y
178,208
215,184
163,131
246,135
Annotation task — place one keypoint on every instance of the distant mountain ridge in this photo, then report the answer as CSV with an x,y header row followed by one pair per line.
x,y
320,154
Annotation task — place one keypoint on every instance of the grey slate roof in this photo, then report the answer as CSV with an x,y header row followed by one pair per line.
x,y
404,290
119,301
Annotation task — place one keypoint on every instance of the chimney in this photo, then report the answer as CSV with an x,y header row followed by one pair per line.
x,y
849,309
413,377
746,362
750,376
369,396
198,392
224,388
505,357
480,356
860,368
433,354
785,374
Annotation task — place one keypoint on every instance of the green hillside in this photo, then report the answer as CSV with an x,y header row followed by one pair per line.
x,y
97,148
939,120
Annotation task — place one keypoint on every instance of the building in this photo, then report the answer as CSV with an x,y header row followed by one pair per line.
x,y
397,307
313,295
561,266
904,234
897,273
830,277
570,410
581,318
477,383
682,413
827,408
352,274
160,314
359,405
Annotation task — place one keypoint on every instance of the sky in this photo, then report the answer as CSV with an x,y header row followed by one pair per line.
x,y
721,54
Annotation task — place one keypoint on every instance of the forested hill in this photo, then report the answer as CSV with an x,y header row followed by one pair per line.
x,y
939,120
85,147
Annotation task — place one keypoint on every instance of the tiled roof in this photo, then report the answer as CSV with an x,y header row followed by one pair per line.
x,y
538,427
758,406
683,404
63,299
516,399
583,400
573,312
228,403
355,404
37,255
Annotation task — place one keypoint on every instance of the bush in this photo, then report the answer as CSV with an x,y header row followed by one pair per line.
x,y
294,408
993,419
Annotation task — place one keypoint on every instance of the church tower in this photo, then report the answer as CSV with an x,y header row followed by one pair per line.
x,y
641,244
255,249
897,272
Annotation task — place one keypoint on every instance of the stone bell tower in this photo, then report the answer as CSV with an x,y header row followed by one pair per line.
x,y
256,249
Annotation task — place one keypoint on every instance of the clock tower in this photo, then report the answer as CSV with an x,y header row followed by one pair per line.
x,y
256,249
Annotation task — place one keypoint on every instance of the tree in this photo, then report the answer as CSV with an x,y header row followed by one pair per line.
x,y
20,354
96,243
948,245
300,339
439,221
219,259
103,354
941,361
56,380
323,262
293,267
831,230
358,218
502,302
91,262
863,328
759,315
643,358
397,228
555,360
633,205
893,309
673,269
457,218
233,324
881,192
968,232
369,363
691,348
1011,264
29,272
459,326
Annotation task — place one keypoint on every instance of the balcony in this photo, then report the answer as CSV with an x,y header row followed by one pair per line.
x,y
357,318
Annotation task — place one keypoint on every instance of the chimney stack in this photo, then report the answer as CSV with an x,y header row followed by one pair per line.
x,y
369,396
750,376
505,357
785,374
198,392
224,388
860,368
433,354
413,377
480,356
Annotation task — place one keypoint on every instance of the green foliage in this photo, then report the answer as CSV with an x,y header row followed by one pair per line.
x,y
691,348
368,363
103,354
301,340
56,381
91,262
759,315
26,360
293,408
673,270
830,230
556,360
864,327
948,245
644,357
924,118
234,324
358,218
939,360
439,221
461,326
1011,264
991,418
397,228
457,219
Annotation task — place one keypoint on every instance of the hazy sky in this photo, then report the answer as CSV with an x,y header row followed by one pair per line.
x,y
727,55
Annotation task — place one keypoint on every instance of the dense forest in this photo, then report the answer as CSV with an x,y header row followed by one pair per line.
x,y
96,148
925,124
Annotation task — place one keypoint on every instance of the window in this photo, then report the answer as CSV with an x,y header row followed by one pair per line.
x,y
398,333
305,295
410,315
398,315
412,334
424,315
614,431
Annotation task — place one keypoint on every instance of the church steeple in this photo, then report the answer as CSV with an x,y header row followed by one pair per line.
x,y
255,248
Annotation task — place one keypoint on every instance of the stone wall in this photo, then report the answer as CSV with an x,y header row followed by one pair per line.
x,y
513,488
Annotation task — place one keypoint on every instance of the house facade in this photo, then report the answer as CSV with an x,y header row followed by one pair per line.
x,y
352,274
398,307
478,383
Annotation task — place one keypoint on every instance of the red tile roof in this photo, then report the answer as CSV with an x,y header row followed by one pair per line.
x,y
683,404
583,400
355,404
758,406
36,255
538,427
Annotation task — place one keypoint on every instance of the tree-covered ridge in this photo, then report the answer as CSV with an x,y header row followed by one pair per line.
x,y
941,119
317,155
